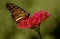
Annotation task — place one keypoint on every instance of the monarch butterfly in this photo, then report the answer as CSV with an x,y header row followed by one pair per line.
x,y
17,13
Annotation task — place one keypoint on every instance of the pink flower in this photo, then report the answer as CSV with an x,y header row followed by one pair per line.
x,y
33,21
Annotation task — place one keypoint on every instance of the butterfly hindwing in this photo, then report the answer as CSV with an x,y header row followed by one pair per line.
x,y
17,13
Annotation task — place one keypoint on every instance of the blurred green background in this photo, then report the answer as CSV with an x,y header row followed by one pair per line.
x,y
49,28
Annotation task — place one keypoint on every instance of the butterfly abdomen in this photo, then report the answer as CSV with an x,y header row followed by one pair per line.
x,y
17,13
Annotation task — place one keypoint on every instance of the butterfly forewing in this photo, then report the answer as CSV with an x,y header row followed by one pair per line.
x,y
17,13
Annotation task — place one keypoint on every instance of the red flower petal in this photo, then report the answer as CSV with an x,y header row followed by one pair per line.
x,y
34,20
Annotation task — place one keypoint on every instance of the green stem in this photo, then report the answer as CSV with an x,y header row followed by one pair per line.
x,y
38,31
